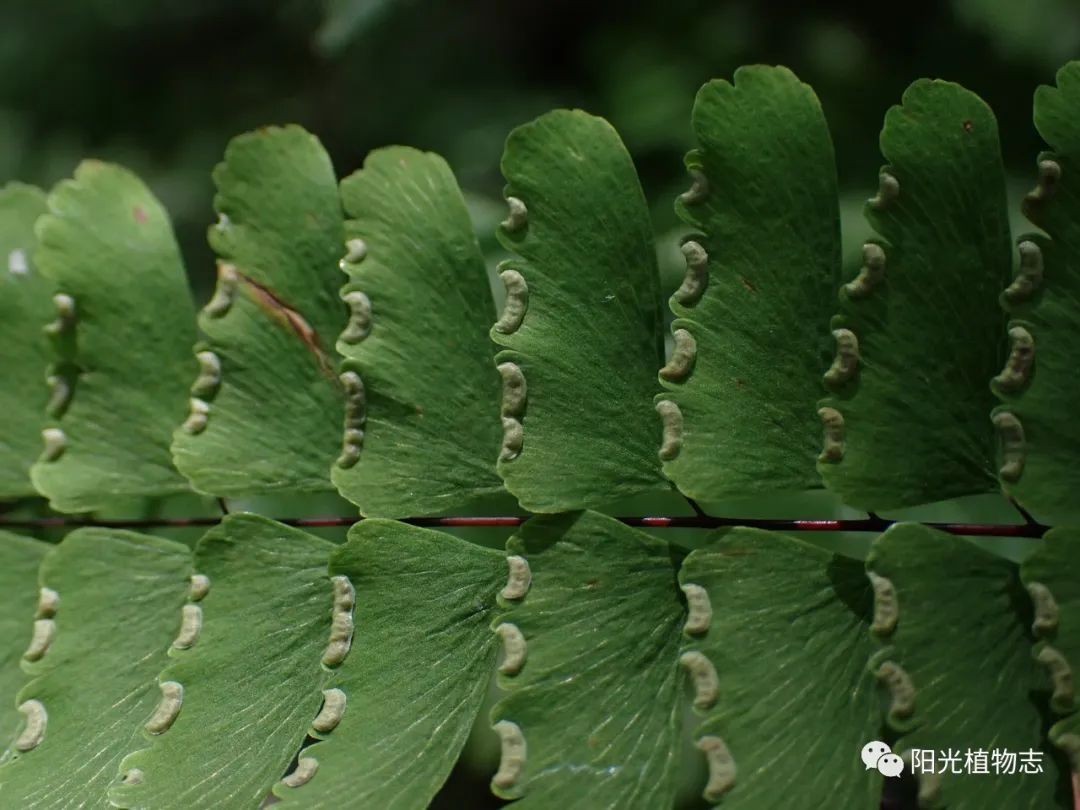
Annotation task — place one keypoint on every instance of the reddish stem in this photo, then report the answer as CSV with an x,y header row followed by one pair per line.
x,y
870,524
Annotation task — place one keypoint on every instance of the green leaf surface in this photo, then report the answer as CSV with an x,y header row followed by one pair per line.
x,y
423,655
25,307
1038,383
750,328
909,421
958,672
789,639
19,560
122,338
580,430
1052,577
251,681
418,337
120,596
266,409
598,699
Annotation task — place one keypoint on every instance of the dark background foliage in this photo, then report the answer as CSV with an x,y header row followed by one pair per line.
x,y
161,86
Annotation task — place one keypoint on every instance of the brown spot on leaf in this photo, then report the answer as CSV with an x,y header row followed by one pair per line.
x,y
592,584
750,288
968,126
139,214
291,319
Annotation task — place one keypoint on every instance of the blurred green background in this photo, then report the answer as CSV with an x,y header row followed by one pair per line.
x,y
161,87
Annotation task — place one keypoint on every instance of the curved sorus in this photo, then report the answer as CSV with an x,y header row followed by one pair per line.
x,y
65,315
517,301
351,442
224,292
1046,609
333,709
514,390
1064,697
513,438
168,709
344,593
44,633
721,764
305,770
518,216
699,610
901,690
699,188
682,357
59,395
65,305
888,191
1029,278
198,416
355,251
514,648
341,624
341,633
519,578
1049,175
355,399
359,325
832,423
55,443
512,757
199,588
355,417
36,721
1017,369
190,627
48,603
703,674
846,363
697,274
209,379
870,275
1013,445
886,605
671,417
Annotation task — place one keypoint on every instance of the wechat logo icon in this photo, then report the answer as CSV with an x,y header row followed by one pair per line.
x,y
876,754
